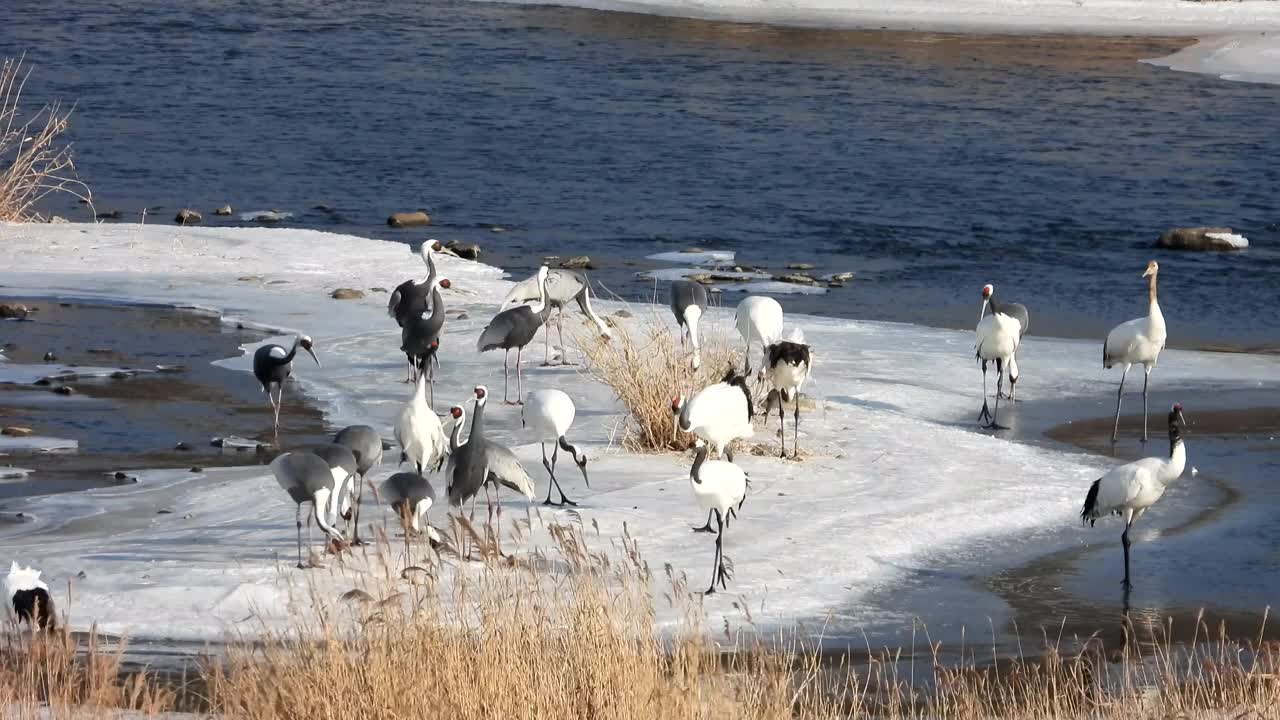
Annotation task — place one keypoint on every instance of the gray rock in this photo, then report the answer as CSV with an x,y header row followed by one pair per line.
x,y
50,357
622,313
113,215
796,279
347,294
16,431
1195,238
187,216
14,311
65,390
800,266
57,220
469,251
841,277
577,262
224,210
409,219
377,289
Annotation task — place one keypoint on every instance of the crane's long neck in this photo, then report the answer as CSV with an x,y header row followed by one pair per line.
x,y
700,456
477,423
541,305
584,302
455,437
288,358
1154,313
420,389
991,302
1177,454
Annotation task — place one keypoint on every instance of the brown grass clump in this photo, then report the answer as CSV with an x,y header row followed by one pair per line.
x,y
645,367
34,160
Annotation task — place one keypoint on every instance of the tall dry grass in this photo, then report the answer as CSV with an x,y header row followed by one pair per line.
x,y
35,159
572,633
646,368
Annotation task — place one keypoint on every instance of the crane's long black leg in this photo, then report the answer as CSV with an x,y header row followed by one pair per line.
x,y
506,360
564,350
717,567
1115,429
298,517
546,357
994,425
355,534
706,528
550,473
1145,380
986,411
795,446
782,425
519,378
1124,539
555,456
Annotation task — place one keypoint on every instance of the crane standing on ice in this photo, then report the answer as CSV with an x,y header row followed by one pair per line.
x,y
272,365
787,366
30,598
366,444
307,478
1137,341
997,339
720,488
515,328
689,304
562,287
550,413
1018,312
717,414
1132,488
412,298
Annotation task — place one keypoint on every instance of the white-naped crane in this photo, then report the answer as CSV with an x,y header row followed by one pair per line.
x,y
366,444
1132,488
515,328
1137,341
718,414
308,479
420,337
759,320
562,287
30,599
1018,312
720,488
346,475
411,496
689,304
419,432
549,414
412,298
787,366
480,462
997,338
272,365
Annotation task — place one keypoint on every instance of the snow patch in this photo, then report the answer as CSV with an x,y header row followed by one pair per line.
x,y
774,287
1232,239
704,257
1254,57
36,443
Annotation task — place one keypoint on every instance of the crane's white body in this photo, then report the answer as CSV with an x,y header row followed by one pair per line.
x,y
759,321
548,414
722,486
1137,342
718,414
692,315
419,431
1133,487
997,338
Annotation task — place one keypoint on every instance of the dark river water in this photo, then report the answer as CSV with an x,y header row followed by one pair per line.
x,y
928,164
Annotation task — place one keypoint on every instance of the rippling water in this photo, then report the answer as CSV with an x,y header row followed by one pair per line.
x,y
929,164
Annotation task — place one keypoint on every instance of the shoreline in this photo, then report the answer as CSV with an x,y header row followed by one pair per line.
x,y
350,329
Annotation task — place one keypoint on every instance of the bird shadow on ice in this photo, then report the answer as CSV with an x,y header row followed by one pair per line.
x,y
921,572
865,404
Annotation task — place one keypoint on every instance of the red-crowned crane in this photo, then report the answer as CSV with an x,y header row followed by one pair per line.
x,y
1138,341
997,339
549,414
720,488
759,320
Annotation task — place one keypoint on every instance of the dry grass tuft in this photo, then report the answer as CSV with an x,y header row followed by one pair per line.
x,y
639,365
34,159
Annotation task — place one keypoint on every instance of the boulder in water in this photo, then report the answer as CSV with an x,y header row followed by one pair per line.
x,y
577,262
224,210
470,251
1201,238
409,219
187,216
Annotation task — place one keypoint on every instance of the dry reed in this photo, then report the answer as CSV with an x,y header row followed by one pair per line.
x,y
35,161
567,632
646,368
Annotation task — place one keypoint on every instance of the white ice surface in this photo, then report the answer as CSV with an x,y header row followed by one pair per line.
x,y
1252,57
35,443
705,257
265,216
669,274
1232,239
1097,17
773,287
899,472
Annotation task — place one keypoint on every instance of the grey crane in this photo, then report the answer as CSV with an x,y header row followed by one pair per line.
x,y
308,479
563,286
515,328
411,496
480,462
688,304
420,337
272,365
411,298
366,444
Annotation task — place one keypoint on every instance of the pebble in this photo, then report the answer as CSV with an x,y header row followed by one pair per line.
x,y
224,210
182,446
119,375
377,289
408,219
347,294
50,357
16,431
187,216
577,262
196,469
842,277
65,390
14,311
800,266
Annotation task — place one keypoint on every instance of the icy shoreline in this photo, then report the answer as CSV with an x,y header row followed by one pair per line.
x,y
901,473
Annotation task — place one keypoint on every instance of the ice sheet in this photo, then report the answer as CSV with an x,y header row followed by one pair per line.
x,y
1098,17
1252,57
35,443
898,474
701,257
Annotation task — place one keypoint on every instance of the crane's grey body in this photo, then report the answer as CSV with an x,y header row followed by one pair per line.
x,y
411,496
307,477
420,339
467,470
366,444
411,298
515,328
686,294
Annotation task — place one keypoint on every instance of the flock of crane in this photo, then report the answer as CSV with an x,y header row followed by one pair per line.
x,y
332,477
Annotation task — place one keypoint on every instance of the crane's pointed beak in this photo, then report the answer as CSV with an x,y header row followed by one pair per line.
x,y
313,356
583,467
983,313
1182,419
